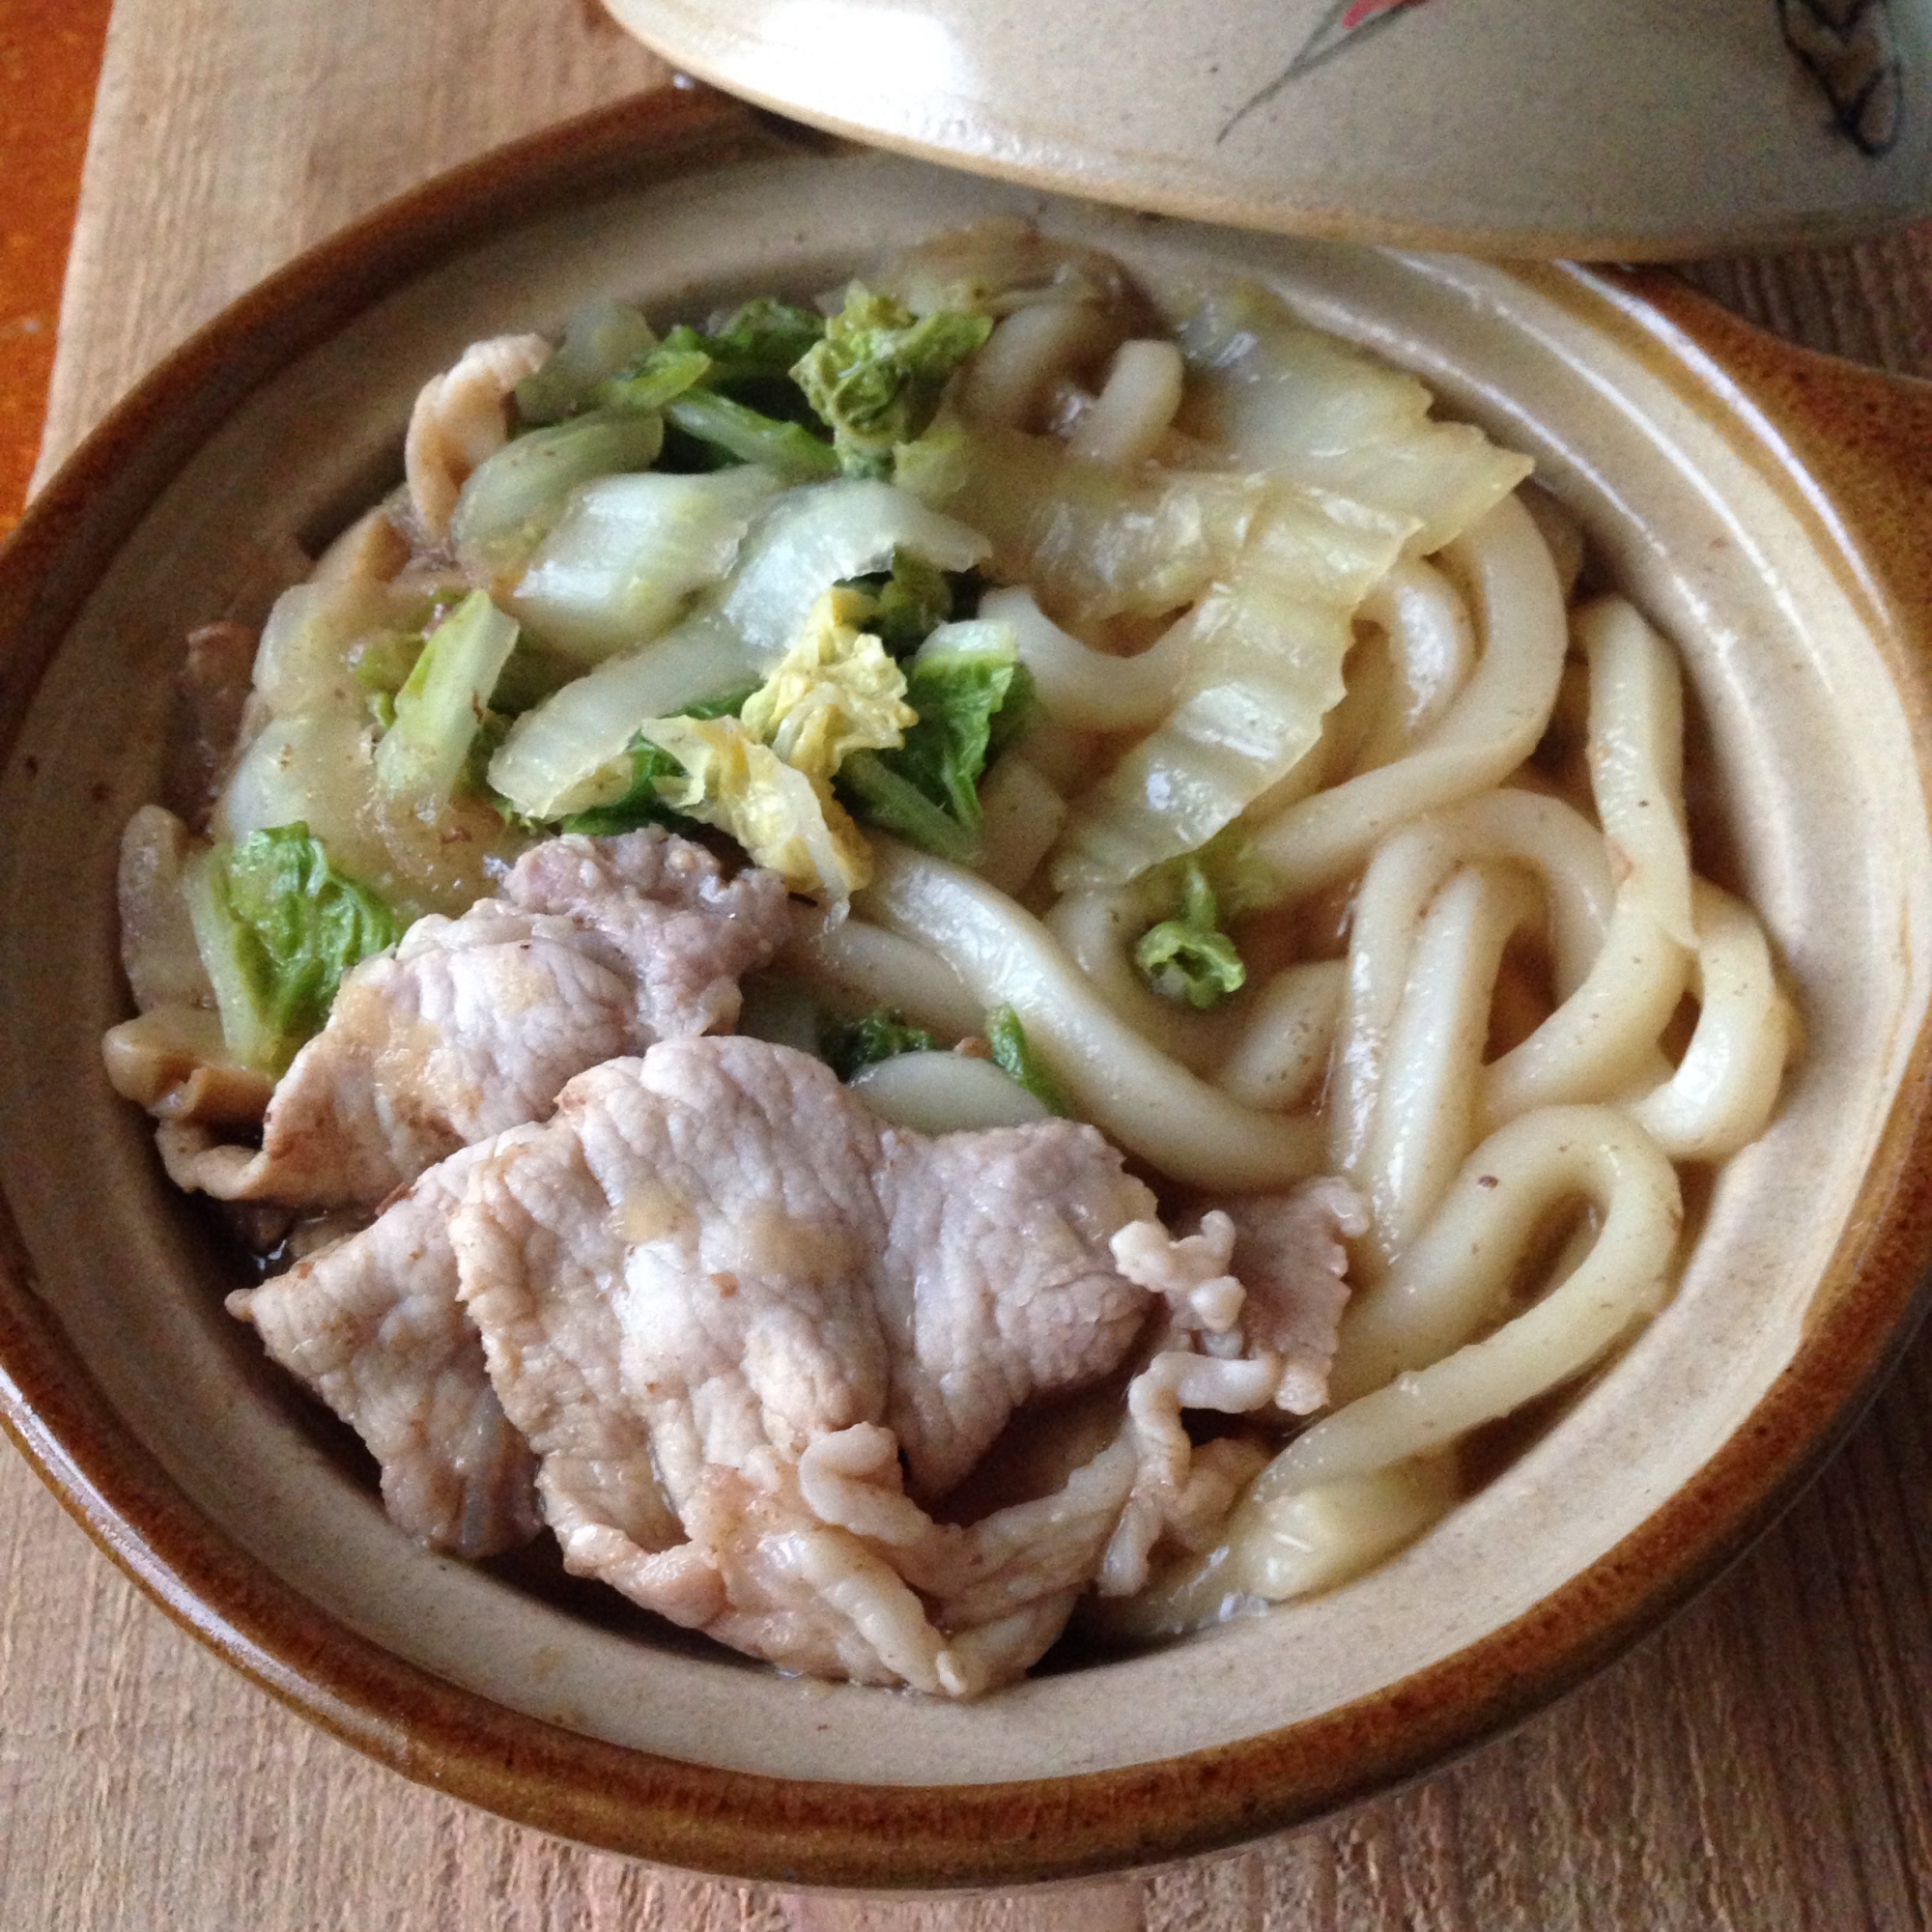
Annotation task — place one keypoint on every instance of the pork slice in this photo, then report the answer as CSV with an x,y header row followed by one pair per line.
x,y
717,1263
996,1285
157,949
1290,1258
461,417
673,1274
594,949
1252,1301
373,1325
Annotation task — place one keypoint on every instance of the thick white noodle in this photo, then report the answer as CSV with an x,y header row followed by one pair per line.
x,y
1282,1042
1490,729
1130,1091
1403,1390
1453,1278
1134,408
1561,532
1637,758
1554,841
1425,1119
1099,931
1597,1043
1264,1050
1724,1088
1010,382
861,966
1092,690
1022,815
945,1094
1290,1546
1430,643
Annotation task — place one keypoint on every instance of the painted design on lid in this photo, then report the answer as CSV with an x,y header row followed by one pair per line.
x,y
1848,48
1344,23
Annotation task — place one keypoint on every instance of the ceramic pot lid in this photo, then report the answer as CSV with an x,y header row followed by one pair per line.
x,y
1636,129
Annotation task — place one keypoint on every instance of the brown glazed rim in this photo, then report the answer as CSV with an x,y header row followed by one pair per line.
x,y
1853,452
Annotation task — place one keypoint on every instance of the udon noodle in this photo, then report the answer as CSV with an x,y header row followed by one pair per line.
x,y
1302,659
1378,1065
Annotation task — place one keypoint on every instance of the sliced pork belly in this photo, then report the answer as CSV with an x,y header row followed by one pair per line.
x,y
717,1266
595,947
373,1325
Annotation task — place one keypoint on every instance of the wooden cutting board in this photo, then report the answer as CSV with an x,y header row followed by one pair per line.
x,y
1766,1763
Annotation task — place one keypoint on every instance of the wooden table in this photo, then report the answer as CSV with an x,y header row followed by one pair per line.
x,y
1765,1763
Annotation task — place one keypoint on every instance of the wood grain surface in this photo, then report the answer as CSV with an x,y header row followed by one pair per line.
x,y
1765,1763
49,60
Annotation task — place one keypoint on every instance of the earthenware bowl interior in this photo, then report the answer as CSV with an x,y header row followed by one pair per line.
x,y
1806,787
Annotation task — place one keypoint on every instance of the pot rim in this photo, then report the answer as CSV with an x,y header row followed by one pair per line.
x,y
1802,413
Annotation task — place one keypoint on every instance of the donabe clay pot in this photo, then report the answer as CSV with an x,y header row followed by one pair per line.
x,y
1766,509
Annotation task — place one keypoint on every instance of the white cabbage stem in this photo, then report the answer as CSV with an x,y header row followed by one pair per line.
x,y
1281,396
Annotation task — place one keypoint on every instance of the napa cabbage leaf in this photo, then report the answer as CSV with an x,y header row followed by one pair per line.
x,y
277,928
601,338
969,695
443,703
780,815
877,375
1015,1055
883,1034
834,692
1189,958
